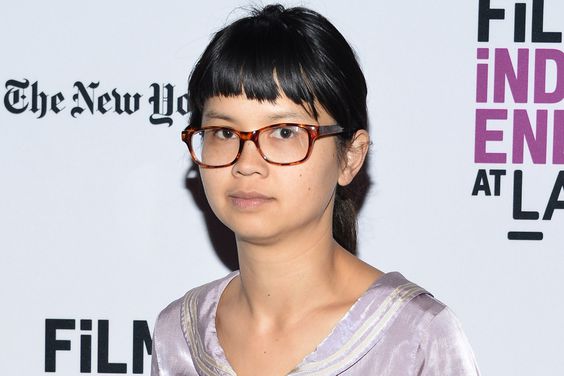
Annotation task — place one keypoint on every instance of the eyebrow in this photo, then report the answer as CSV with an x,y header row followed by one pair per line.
x,y
212,114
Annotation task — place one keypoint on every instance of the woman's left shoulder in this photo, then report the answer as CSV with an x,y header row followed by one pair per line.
x,y
414,302
420,305
443,347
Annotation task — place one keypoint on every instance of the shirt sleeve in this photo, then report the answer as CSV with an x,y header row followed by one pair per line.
x,y
155,369
444,349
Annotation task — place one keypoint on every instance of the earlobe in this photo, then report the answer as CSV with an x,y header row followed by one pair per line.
x,y
354,157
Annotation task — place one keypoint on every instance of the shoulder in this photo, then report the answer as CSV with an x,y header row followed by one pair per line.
x,y
168,342
419,306
444,347
180,325
411,303
424,308
199,304
190,316
441,346
411,307
195,299
432,320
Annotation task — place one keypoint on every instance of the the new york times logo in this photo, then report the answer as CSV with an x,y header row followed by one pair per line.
x,y
58,332
22,96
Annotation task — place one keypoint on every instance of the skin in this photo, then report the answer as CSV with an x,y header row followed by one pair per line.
x,y
295,281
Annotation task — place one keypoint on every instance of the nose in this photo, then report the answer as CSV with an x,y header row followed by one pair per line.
x,y
250,161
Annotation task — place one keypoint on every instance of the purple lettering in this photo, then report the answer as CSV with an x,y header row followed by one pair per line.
x,y
522,131
518,81
483,135
558,144
542,55
482,76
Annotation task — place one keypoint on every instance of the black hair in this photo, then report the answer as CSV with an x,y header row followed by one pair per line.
x,y
300,52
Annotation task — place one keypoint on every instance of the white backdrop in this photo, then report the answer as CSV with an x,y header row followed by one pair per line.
x,y
96,222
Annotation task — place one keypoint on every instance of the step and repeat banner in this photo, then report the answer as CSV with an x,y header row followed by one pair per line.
x,y
103,222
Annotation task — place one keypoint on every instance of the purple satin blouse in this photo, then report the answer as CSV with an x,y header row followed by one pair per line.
x,y
395,328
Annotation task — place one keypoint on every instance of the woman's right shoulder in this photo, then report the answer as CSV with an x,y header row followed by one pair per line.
x,y
206,293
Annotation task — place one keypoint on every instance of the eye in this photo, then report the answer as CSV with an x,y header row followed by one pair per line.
x,y
285,132
224,134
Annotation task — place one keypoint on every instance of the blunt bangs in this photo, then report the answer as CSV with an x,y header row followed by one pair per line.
x,y
277,50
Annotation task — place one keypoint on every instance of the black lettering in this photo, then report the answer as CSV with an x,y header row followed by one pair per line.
x,y
52,344
14,99
537,33
141,338
127,103
182,106
85,347
161,101
481,184
518,212
553,202
104,366
520,19
497,174
102,101
35,96
485,14
55,101
83,93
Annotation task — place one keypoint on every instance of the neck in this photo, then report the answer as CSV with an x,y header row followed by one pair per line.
x,y
278,281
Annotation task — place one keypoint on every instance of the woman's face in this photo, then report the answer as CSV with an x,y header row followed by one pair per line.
x,y
261,202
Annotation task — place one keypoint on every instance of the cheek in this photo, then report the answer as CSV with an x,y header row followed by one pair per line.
x,y
212,182
316,182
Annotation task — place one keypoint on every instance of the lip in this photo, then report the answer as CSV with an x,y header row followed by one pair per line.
x,y
248,200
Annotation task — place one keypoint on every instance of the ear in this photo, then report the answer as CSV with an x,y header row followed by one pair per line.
x,y
354,157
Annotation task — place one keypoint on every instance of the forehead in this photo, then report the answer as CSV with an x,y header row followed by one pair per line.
x,y
240,109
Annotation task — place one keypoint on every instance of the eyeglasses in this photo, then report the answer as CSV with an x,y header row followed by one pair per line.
x,y
280,144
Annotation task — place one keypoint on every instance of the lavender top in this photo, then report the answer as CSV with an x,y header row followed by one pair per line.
x,y
395,328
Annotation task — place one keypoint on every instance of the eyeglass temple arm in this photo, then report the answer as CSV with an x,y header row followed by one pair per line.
x,y
330,130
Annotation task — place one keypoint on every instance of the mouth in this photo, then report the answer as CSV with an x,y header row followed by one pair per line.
x,y
248,200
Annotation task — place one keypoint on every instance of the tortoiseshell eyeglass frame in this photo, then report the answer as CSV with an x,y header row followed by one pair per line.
x,y
314,132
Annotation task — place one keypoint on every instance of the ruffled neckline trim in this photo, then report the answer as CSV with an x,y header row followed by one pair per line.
x,y
359,330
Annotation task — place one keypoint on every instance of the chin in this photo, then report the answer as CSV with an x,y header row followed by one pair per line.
x,y
255,230
257,235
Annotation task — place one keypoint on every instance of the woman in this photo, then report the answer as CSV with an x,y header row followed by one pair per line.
x,y
278,128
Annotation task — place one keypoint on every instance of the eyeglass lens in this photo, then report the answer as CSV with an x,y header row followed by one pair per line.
x,y
282,144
